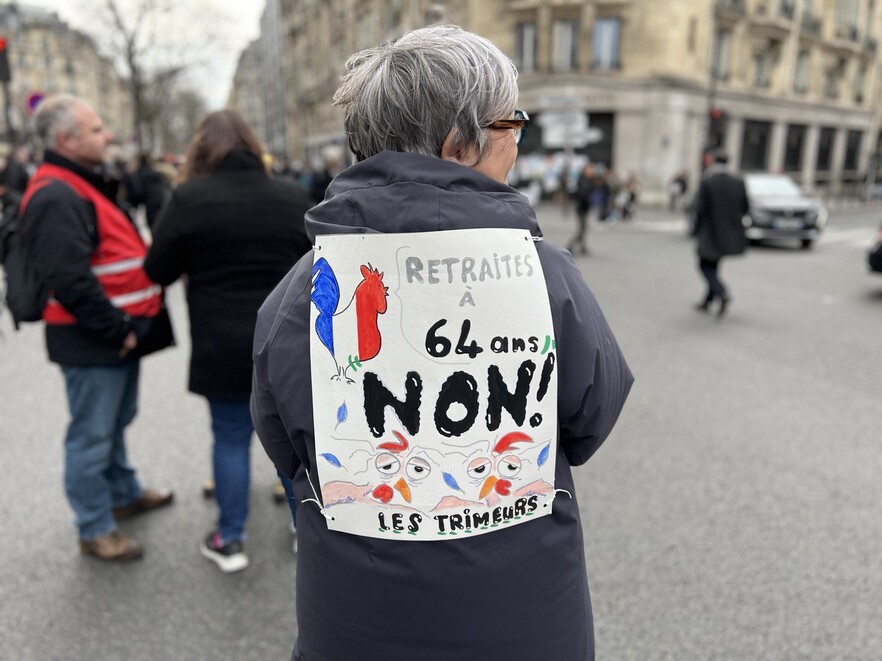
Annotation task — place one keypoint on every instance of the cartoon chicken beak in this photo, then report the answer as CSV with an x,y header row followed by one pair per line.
x,y
487,487
402,488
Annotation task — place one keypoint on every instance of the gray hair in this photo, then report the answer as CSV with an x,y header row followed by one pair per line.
x,y
55,115
408,95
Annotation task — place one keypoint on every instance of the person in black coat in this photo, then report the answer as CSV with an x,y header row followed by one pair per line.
x,y
583,198
234,232
720,205
156,190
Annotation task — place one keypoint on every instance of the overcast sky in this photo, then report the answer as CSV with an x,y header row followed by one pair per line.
x,y
241,24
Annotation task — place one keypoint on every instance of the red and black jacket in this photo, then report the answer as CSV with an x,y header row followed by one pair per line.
x,y
89,253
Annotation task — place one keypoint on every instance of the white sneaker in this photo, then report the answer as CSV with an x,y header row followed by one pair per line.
x,y
229,557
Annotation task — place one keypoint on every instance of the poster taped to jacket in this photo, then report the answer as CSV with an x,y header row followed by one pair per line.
x,y
434,383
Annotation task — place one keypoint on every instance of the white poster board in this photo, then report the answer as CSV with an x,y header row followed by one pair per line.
x,y
434,383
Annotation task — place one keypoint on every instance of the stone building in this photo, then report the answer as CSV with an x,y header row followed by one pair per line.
x,y
274,57
633,84
46,56
247,91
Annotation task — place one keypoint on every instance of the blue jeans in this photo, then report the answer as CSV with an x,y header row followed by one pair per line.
x,y
97,474
232,429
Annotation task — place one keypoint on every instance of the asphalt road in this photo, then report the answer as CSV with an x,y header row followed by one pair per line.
x,y
734,513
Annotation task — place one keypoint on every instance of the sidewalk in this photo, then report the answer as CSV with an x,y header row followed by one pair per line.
x,y
551,211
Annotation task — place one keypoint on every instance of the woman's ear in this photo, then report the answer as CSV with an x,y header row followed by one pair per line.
x,y
449,152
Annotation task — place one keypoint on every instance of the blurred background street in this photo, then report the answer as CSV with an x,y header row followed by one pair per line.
x,y
732,514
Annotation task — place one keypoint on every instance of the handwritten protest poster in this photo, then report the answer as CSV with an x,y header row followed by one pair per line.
x,y
434,383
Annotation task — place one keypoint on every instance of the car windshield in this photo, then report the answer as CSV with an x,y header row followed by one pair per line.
x,y
766,185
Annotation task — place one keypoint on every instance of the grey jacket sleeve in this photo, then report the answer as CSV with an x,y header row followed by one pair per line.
x,y
277,426
593,377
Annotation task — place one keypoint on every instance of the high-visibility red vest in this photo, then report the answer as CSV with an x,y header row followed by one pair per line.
x,y
118,260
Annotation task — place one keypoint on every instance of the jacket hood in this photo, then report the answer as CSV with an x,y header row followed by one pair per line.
x,y
401,192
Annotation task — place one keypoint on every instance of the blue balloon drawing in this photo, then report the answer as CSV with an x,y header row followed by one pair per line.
x,y
342,414
331,459
451,481
543,455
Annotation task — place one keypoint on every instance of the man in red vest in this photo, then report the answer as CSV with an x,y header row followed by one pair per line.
x,y
102,315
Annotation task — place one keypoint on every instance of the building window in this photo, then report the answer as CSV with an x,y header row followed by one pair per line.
x,y
847,12
565,45
763,69
607,33
831,80
693,29
793,147
853,141
788,9
525,47
755,146
859,83
720,63
825,149
801,77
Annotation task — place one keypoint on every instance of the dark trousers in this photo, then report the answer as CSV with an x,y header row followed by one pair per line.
x,y
715,287
581,233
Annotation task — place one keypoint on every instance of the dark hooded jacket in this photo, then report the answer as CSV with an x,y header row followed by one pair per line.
x,y
520,593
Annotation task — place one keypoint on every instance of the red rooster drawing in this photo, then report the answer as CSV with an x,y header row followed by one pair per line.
x,y
351,335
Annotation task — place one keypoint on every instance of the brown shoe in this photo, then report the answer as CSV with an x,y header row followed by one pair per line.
x,y
150,499
113,546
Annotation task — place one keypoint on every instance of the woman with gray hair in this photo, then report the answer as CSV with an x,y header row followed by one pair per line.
x,y
441,548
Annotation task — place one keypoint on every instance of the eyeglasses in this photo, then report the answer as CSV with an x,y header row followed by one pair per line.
x,y
518,124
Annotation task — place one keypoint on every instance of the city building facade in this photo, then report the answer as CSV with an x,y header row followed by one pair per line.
x,y
247,91
641,86
46,56
274,58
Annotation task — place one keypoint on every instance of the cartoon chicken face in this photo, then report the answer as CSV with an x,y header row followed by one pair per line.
x,y
402,469
505,468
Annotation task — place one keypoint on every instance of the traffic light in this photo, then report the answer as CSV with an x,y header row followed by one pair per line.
x,y
716,132
5,74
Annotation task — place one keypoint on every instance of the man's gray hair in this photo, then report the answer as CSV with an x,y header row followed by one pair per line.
x,y
407,95
55,115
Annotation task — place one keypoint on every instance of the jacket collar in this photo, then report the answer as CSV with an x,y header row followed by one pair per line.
x,y
238,160
102,181
401,192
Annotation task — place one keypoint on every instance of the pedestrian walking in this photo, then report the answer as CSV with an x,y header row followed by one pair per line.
x,y
583,197
104,314
234,232
720,205
432,122
677,189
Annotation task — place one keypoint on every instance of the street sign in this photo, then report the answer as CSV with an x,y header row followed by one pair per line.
x,y
567,130
32,100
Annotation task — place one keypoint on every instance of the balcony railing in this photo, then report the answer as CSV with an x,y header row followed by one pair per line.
x,y
847,32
